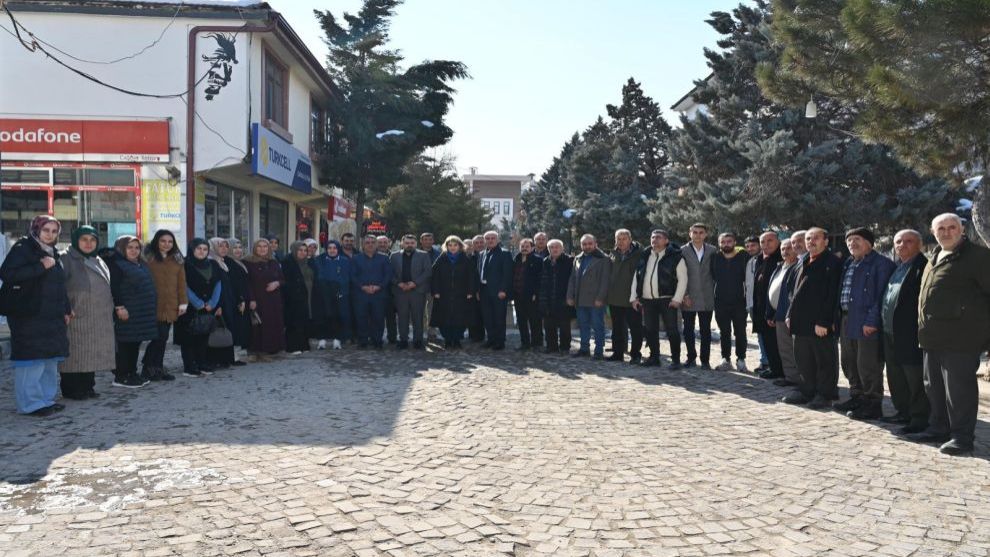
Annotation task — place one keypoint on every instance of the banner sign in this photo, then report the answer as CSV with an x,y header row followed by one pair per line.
x,y
340,209
275,159
161,206
376,226
84,140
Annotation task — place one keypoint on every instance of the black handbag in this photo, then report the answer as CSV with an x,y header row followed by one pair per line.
x,y
220,336
202,324
18,299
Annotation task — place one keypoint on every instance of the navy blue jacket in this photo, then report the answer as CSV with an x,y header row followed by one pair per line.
x,y
367,271
869,284
498,271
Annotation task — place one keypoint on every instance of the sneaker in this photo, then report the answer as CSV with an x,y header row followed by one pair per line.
x,y
956,448
741,366
151,374
206,371
131,382
674,366
598,357
193,373
295,353
726,365
849,405
43,412
322,345
336,344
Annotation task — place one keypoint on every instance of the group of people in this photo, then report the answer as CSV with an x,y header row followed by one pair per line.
x,y
927,321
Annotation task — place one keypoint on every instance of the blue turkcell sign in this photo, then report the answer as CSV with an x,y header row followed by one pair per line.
x,y
275,159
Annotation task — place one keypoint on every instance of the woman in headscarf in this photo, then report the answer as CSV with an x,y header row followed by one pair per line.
x,y
240,326
135,306
265,280
333,281
168,270
453,285
91,342
38,313
303,308
231,302
203,290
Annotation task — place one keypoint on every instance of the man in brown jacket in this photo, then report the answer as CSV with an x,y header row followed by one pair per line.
x,y
954,331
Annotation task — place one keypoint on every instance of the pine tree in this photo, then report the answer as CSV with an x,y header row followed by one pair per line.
x,y
913,75
749,164
544,203
385,116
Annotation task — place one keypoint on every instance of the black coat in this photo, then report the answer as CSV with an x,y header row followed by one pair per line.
x,y
553,287
815,298
234,291
531,280
303,308
761,289
42,333
203,289
905,333
498,272
454,283
133,287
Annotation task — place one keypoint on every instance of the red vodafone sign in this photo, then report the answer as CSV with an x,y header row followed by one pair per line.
x,y
84,140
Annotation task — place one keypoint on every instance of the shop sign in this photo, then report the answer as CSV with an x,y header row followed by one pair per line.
x,y
161,206
276,159
376,226
84,140
340,209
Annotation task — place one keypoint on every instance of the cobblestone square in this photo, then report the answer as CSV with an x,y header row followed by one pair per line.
x,y
475,453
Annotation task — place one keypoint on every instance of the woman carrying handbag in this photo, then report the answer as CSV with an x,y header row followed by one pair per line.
x,y
203,289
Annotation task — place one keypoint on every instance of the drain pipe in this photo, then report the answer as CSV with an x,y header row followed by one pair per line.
x,y
191,110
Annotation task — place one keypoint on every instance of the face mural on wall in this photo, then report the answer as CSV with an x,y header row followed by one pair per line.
x,y
221,63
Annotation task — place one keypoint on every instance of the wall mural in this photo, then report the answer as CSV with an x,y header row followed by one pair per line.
x,y
221,63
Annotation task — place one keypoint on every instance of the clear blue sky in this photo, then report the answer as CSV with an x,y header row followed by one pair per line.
x,y
541,69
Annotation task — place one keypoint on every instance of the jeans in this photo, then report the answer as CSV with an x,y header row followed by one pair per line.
x,y
370,312
592,318
35,384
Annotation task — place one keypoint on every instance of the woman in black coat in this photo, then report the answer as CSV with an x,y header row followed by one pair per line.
x,y
301,297
135,306
557,314
38,312
238,275
232,303
203,289
453,285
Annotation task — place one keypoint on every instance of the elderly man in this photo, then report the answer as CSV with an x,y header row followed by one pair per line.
x,y
658,290
587,291
729,273
495,274
626,320
812,320
864,279
699,303
542,250
797,243
411,271
476,323
778,294
901,352
385,248
766,263
557,315
370,275
954,330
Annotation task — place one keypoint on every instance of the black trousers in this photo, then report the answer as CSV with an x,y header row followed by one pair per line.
x,y
705,325
655,311
391,318
558,332
154,353
220,356
732,323
77,384
951,385
194,352
626,323
529,320
476,323
907,385
770,346
493,310
126,359
816,362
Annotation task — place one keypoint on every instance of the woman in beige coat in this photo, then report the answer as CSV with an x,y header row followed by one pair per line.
x,y
91,340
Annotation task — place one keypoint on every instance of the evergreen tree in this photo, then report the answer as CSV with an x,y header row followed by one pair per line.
x,y
642,131
913,74
747,164
385,115
432,198
544,203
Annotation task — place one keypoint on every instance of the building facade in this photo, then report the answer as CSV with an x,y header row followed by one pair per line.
x,y
217,134
500,194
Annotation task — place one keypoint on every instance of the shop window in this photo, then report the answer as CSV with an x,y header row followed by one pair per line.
x,y
276,104
274,219
18,208
94,177
305,217
24,176
227,213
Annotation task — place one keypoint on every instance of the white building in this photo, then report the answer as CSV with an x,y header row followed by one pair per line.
x,y
501,194
234,158
688,106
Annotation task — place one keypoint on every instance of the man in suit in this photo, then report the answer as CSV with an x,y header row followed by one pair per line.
x,y
411,271
778,294
476,323
385,248
699,303
901,351
811,318
428,244
495,272
766,262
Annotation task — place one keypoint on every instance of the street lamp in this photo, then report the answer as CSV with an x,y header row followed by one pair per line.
x,y
569,215
811,109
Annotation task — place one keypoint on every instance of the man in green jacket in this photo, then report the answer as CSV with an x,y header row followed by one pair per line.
x,y
954,331
625,319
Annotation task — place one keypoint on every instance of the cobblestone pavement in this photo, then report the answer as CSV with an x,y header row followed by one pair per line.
x,y
475,453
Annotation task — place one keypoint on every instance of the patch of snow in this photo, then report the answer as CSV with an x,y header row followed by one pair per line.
x,y
427,123
389,132
568,213
964,205
972,183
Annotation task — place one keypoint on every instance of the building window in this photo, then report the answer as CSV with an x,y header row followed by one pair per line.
x,y
506,208
228,213
486,205
276,105
497,205
274,219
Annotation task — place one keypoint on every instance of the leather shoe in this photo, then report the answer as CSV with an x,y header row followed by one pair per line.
x,y
635,360
929,437
912,429
675,366
690,364
896,419
795,398
615,357
651,361
769,374
956,448
851,404
819,403
581,354
783,383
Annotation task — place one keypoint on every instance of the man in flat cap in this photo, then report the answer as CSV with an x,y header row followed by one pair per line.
x,y
864,281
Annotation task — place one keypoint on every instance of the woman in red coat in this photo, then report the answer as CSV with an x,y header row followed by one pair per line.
x,y
265,280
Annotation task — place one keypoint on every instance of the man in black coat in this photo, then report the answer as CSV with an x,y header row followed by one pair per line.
x,y
766,262
495,273
812,320
557,315
902,354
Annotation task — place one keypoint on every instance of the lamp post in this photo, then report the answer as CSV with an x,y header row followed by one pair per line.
x,y
569,215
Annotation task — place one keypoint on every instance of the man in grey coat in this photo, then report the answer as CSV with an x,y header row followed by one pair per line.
x,y
411,271
588,292
699,304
